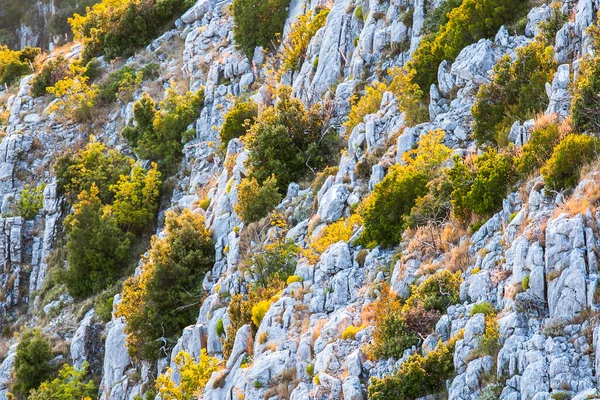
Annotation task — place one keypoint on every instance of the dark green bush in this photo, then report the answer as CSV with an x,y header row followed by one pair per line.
x,y
52,72
70,384
159,134
289,141
97,250
562,170
164,298
120,84
418,376
538,149
95,164
517,92
238,120
386,211
118,28
466,24
481,186
258,22
32,362
585,107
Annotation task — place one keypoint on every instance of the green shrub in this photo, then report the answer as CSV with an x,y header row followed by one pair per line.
x,y
293,279
481,186
438,291
358,13
97,250
483,308
193,376
525,283
256,201
136,198
310,369
517,92
385,211
562,170
273,262
585,106
95,164
418,376
31,201
76,100
257,23
238,120
117,28
538,149
298,38
438,16
550,27
163,299
220,330
159,135
52,72
32,362
103,303
368,103
466,24
70,384
120,84
14,64
289,141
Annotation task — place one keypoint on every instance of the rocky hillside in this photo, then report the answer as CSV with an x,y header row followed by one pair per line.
x,y
305,200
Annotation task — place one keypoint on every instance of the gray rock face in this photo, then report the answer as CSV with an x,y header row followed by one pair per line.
x,y
116,359
336,258
473,63
87,345
332,204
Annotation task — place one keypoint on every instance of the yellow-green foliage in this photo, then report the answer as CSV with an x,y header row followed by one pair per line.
x,y
351,331
31,201
70,384
341,230
94,164
14,64
538,149
483,308
163,299
294,278
562,170
585,107
259,311
159,134
479,186
408,95
298,38
136,198
418,376
75,98
470,21
117,28
369,103
385,211
401,325
194,376
256,201
518,92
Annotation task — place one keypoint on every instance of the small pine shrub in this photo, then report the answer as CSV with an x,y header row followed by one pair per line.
x,y
31,201
32,362
158,303
256,201
238,120
257,23
518,92
538,149
120,84
418,376
562,170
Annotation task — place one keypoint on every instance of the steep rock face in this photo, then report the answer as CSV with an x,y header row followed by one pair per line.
x,y
547,343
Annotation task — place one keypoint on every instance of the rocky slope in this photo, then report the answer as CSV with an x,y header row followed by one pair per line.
x,y
548,333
